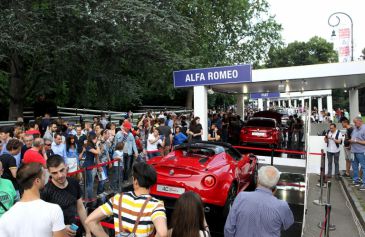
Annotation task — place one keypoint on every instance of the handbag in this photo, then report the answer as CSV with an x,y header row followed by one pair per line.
x,y
126,234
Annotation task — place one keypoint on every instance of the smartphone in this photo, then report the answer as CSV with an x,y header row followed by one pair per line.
x,y
74,227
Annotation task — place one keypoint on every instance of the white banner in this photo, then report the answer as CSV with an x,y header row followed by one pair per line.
x,y
344,53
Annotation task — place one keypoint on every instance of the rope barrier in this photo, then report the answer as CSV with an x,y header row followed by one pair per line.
x,y
91,167
107,225
102,223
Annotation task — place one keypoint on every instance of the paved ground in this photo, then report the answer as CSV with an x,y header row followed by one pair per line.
x,y
341,215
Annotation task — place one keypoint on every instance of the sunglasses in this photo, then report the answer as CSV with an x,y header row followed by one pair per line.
x,y
47,144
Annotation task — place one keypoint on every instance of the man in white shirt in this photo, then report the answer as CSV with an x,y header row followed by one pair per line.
x,y
333,139
31,216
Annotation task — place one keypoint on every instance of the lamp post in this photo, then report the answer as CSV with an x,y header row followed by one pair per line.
x,y
338,22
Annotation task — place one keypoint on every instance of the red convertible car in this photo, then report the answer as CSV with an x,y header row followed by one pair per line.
x,y
216,171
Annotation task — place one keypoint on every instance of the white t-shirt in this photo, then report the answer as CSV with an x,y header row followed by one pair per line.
x,y
150,146
119,154
32,219
331,143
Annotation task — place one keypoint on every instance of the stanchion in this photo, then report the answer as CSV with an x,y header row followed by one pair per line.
x,y
85,180
118,175
327,224
321,181
272,155
323,169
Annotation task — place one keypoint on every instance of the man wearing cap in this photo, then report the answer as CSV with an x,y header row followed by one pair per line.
x,y
125,136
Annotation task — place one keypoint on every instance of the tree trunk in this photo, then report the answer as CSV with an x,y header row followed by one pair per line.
x,y
189,99
16,88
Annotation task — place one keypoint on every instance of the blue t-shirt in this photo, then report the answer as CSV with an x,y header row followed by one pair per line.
x,y
359,135
179,138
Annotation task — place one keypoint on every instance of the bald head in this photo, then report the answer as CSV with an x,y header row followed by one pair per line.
x,y
268,176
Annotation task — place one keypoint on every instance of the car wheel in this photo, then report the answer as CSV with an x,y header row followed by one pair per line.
x,y
232,193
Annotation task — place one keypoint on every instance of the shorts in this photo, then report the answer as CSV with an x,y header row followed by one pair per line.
x,y
348,155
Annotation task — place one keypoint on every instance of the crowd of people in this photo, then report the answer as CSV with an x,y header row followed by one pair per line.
x,y
51,209
36,159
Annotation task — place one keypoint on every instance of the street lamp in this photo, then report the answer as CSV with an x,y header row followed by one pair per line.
x,y
352,29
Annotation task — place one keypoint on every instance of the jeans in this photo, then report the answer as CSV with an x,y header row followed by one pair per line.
x,y
90,175
128,163
153,154
335,157
359,158
115,178
101,183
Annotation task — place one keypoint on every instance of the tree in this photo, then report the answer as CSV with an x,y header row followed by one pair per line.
x,y
113,54
229,32
315,51
63,48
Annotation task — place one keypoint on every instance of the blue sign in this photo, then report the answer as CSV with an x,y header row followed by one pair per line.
x,y
213,76
264,95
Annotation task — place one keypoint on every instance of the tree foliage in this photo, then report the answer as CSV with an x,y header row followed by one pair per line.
x,y
315,51
113,54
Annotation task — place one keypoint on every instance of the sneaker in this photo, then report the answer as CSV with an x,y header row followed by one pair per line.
x,y
362,188
355,183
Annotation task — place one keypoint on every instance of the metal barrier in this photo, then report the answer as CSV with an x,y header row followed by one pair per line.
x,y
7,123
326,225
321,180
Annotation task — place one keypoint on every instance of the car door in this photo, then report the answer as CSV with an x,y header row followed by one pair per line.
x,y
242,165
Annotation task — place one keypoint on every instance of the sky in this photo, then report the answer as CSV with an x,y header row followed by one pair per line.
x,y
303,19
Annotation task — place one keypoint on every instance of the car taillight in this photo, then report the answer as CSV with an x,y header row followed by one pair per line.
x,y
244,131
209,181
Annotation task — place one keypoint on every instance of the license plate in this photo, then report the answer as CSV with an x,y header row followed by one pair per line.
x,y
258,134
169,189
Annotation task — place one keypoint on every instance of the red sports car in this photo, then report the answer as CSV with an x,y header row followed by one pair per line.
x,y
216,171
261,131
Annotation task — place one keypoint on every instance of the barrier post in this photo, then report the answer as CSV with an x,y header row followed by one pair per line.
x,y
118,175
327,224
85,180
328,219
321,181
272,155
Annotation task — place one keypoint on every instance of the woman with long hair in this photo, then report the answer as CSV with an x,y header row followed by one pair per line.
x,y
91,155
188,219
72,155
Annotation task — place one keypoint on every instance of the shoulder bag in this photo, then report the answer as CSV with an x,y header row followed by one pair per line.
x,y
133,234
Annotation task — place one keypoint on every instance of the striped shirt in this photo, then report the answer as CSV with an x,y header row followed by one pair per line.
x,y
258,214
131,206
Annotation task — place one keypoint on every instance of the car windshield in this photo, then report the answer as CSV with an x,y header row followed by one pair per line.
x,y
200,150
268,123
